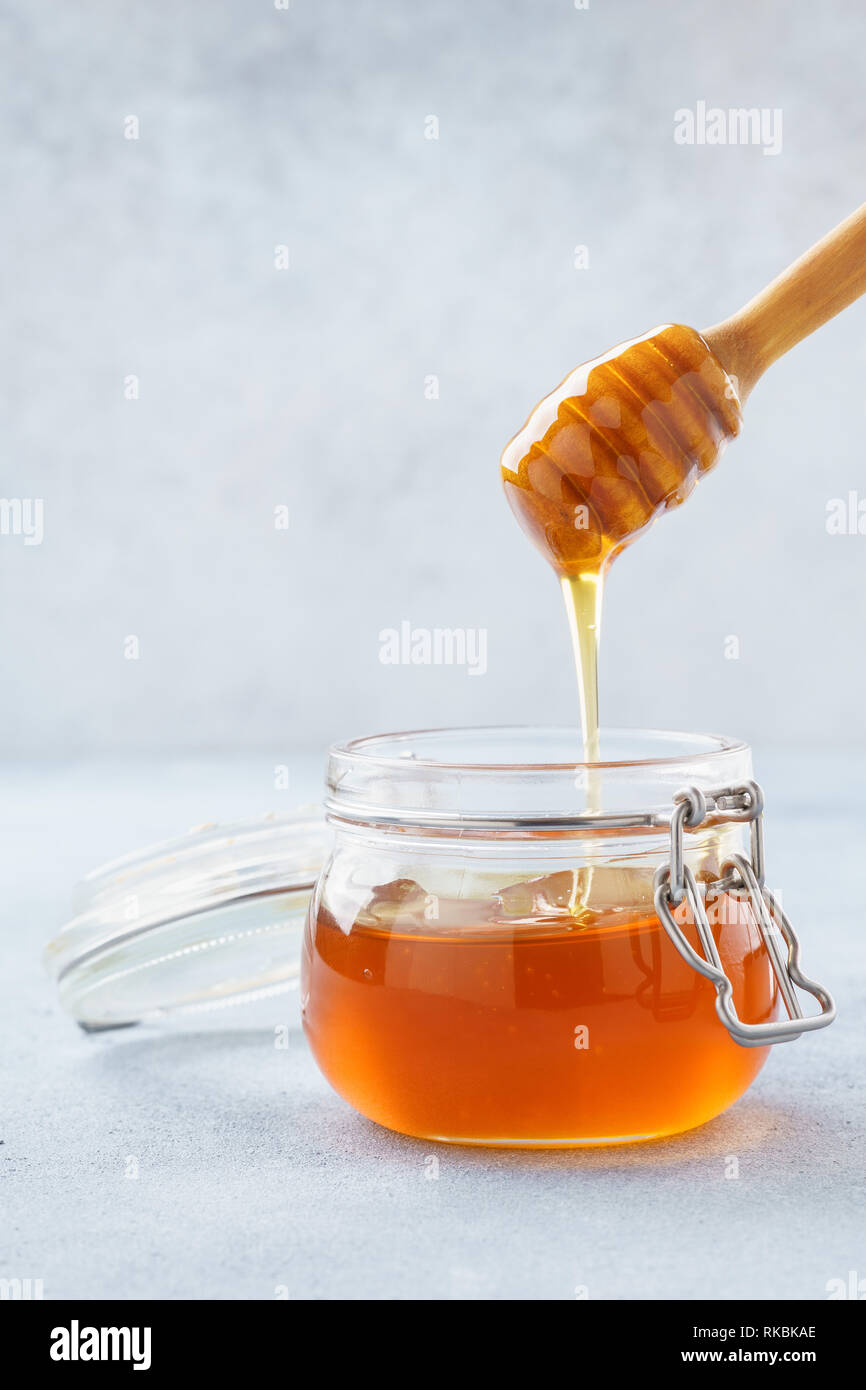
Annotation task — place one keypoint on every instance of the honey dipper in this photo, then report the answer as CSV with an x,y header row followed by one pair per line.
x,y
626,436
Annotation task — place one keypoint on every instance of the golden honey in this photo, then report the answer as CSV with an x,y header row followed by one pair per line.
x,y
554,1011
484,1029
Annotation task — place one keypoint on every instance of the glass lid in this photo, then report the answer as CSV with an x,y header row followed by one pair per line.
x,y
210,918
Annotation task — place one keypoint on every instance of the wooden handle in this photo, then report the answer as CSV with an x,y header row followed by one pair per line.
x,y
814,289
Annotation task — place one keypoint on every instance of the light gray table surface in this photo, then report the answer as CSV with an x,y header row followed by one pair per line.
x,y
254,1177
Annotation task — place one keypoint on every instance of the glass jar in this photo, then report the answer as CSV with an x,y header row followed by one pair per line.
x,y
510,947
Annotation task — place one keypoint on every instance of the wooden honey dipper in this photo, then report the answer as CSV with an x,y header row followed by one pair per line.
x,y
625,437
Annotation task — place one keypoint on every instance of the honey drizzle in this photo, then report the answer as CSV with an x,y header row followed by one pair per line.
x,y
583,594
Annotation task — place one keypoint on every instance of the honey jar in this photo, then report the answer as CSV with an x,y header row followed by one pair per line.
x,y
497,942
494,956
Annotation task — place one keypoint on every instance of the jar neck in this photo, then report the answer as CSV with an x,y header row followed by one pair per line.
x,y
645,847
524,780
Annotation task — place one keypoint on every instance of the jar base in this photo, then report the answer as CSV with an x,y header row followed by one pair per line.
x,y
544,1143
608,1142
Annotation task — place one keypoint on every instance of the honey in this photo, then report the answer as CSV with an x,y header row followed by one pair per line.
x,y
553,1011
583,595
621,440
485,1029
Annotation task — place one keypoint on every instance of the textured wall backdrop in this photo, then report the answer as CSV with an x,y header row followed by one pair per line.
x,y
308,387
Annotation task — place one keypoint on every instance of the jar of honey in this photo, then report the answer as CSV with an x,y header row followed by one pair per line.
x,y
510,947
499,943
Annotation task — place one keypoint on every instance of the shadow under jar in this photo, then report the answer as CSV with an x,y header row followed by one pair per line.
x,y
483,960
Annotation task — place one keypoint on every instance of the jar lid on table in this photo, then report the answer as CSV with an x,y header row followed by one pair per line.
x,y
210,918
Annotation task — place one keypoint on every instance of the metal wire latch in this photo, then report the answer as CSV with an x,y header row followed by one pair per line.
x,y
675,881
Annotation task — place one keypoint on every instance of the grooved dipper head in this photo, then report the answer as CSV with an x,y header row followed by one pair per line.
x,y
622,439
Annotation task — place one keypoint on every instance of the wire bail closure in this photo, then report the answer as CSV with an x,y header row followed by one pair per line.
x,y
675,881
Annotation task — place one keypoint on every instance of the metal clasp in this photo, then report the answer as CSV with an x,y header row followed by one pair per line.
x,y
675,881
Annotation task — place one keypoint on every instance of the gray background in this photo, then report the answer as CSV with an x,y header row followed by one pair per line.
x,y
305,387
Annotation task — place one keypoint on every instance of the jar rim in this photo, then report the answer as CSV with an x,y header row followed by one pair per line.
x,y
713,745
509,776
